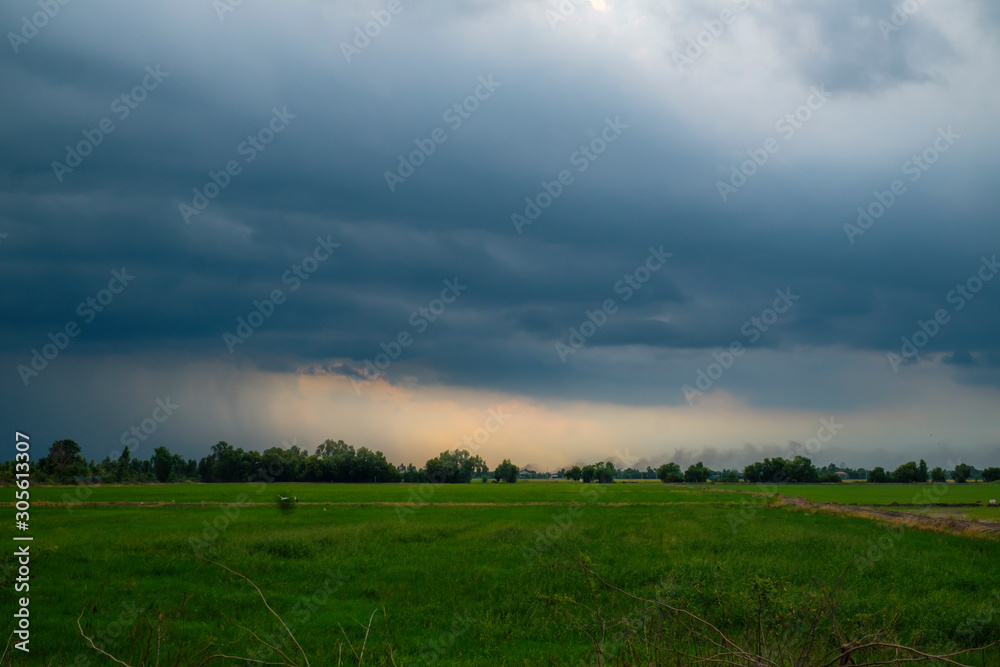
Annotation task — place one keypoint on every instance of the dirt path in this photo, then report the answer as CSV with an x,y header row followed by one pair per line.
x,y
941,525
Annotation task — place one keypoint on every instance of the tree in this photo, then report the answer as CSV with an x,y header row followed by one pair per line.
x,y
801,470
315,470
991,474
574,473
205,469
605,472
878,475
122,465
336,462
411,475
961,473
776,470
275,467
589,472
330,449
455,467
226,464
140,470
370,467
506,472
938,475
907,473
697,473
163,463
295,459
64,461
365,466
754,472
831,478
249,465
65,453
670,473
922,472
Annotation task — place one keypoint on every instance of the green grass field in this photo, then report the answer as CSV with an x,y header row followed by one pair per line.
x,y
467,580
535,491
884,494
522,492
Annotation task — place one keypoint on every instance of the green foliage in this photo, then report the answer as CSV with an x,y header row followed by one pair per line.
x,y
455,467
878,475
601,472
778,470
801,470
506,472
852,473
605,472
333,461
670,473
65,453
831,478
961,473
411,475
336,461
63,462
907,473
729,477
167,467
697,473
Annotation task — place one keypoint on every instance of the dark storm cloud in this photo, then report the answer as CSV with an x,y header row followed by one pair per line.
x,y
323,176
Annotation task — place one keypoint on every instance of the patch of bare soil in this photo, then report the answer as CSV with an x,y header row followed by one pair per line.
x,y
947,525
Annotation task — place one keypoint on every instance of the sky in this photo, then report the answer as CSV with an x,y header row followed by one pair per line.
x,y
555,232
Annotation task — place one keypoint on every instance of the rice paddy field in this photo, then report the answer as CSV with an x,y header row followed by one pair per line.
x,y
865,494
487,574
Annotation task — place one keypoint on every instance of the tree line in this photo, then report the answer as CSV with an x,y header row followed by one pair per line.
x,y
337,461
333,461
801,470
